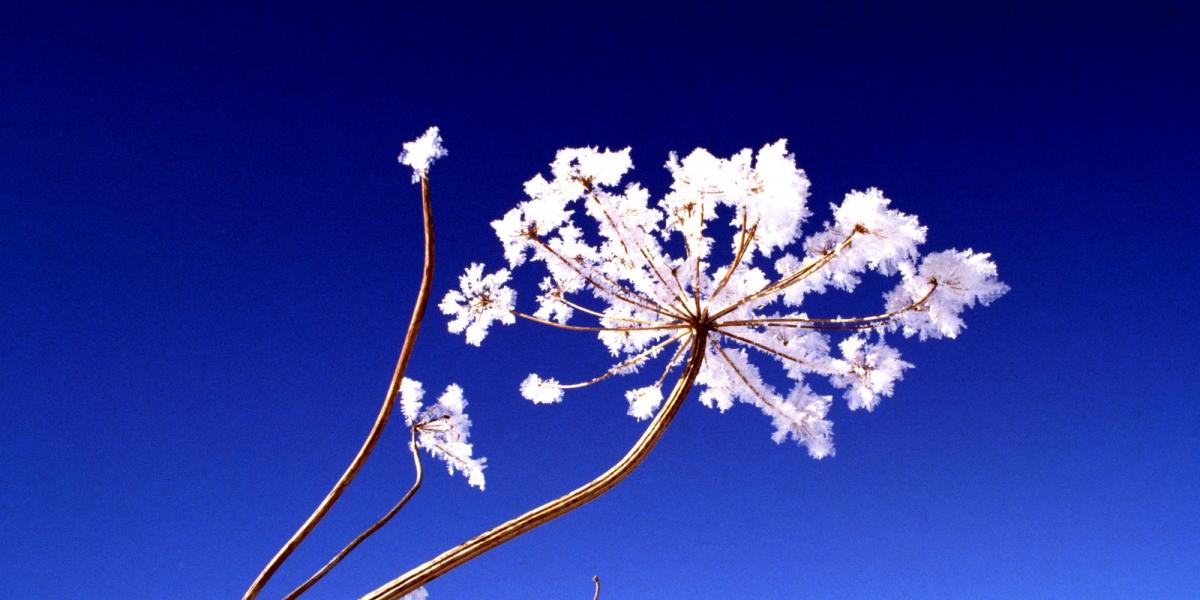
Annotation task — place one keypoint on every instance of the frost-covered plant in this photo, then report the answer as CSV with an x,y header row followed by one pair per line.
x,y
647,277
606,247
650,280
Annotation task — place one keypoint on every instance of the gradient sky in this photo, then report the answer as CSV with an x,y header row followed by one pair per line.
x,y
208,256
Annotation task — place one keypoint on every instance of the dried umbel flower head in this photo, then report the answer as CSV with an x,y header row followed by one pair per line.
x,y
644,300
443,429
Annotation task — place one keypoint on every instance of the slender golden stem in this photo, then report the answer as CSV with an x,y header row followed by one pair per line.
x,y
670,365
743,245
662,310
812,267
385,410
762,347
618,233
549,511
792,278
813,326
842,320
687,248
669,325
696,283
583,309
645,355
745,380
368,532
661,279
683,294
596,580
648,304
612,224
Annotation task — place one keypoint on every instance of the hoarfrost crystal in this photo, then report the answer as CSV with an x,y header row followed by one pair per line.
x,y
421,152
541,391
479,301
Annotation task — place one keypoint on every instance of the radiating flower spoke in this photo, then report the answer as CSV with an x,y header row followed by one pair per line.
x,y
621,368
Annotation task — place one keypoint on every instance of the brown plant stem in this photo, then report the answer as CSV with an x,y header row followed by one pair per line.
x,y
644,356
549,511
596,580
385,410
368,532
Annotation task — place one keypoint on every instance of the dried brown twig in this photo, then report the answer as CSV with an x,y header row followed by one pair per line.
x,y
385,410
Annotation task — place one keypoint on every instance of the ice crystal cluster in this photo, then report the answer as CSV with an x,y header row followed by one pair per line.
x,y
421,152
644,276
443,429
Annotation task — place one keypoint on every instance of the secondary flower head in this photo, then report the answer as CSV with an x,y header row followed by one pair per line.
x,y
479,301
650,277
443,429
421,152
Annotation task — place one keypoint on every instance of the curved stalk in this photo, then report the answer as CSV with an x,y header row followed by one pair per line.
x,y
596,580
549,511
385,411
368,532
668,325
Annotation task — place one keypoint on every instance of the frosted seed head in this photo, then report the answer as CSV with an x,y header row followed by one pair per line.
x,y
421,152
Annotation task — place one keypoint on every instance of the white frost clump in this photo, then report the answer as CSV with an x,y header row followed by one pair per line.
x,y
867,371
648,276
541,391
644,401
417,594
411,395
443,429
421,152
962,277
479,301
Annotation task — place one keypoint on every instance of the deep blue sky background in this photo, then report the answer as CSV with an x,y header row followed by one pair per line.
x,y
208,257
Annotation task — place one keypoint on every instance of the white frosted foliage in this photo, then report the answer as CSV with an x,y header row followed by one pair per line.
x,y
541,391
480,301
644,401
411,395
867,371
963,279
421,152
443,429
724,251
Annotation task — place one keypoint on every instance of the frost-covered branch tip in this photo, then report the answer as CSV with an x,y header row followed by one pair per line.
x,y
421,152
648,276
443,429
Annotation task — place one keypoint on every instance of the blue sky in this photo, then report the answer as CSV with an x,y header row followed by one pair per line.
x,y
209,256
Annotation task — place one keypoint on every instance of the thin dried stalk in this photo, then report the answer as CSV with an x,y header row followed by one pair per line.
x,y
549,511
385,410
644,356
843,320
762,347
792,278
368,532
668,325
